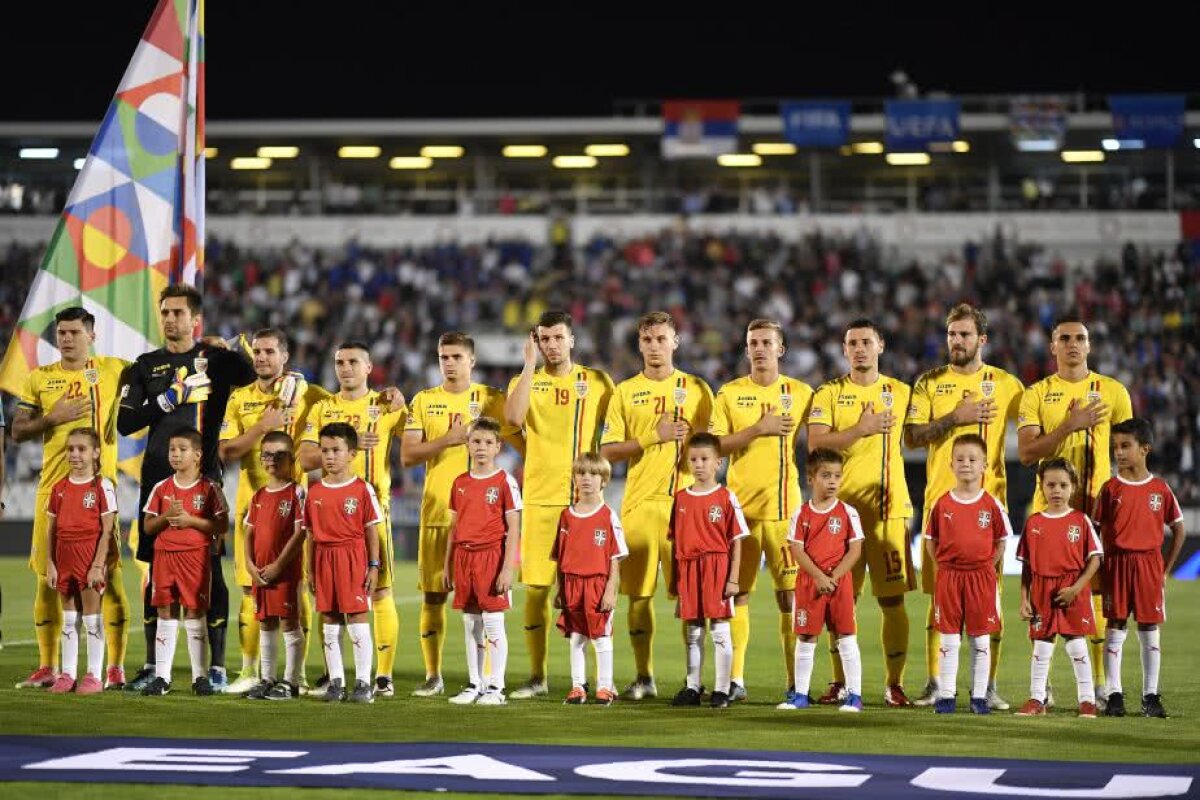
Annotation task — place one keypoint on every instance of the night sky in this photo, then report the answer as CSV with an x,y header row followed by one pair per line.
x,y
266,60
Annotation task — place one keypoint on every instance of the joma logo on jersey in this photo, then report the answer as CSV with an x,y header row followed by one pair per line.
x,y
835,526
944,390
600,537
1073,533
350,506
285,508
89,499
1053,397
492,495
715,513
985,519
1156,501
198,502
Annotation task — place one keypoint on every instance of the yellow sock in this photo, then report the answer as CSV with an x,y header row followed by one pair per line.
x,y
432,622
933,641
895,642
48,622
739,630
248,634
537,629
997,646
114,604
387,634
787,640
310,620
1096,643
835,660
641,634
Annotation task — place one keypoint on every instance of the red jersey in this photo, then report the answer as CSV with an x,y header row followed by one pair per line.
x,y
588,543
78,508
274,513
965,532
1054,546
825,535
1132,516
203,499
705,522
481,505
338,514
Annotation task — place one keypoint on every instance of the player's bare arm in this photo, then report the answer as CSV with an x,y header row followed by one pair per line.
x,y
735,563
969,411
512,551
448,565
372,535
1026,580
290,552
609,599
1177,536
52,547
516,405
825,584
771,423
1033,444
667,430
98,569
310,546
853,554
155,524
233,449
256,575
1066,595
28,424
415,450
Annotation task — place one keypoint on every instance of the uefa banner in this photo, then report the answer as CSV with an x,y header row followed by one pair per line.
x,y
913,125
811,123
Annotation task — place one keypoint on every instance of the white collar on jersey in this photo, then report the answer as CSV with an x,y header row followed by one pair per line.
x,y
975,499
571,510
702,494
1142,482
813,505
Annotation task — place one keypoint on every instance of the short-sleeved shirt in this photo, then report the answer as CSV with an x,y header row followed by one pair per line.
x,y
635,409
367,414
338,514
1055,545
481,504
78,508
244,410
873,473
1133,516
763,474
587,543
965,532
1046,405
826,535
704,523
202,498
273,513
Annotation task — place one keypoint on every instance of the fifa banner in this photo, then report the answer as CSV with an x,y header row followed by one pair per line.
x,y
913,125
134,221
1154,119
699,128
1038,124
816,124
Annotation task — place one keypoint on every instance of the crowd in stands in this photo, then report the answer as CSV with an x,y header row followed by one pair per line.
x,y
1141,306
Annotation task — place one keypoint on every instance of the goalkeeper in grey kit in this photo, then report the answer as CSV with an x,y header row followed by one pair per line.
x,y
184,384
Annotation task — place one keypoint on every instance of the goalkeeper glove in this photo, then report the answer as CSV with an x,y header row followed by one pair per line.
x,y
184,390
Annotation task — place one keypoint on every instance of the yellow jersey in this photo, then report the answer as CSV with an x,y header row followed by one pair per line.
x,y
636,406
873,474
367,414
564,419
243,411
763,475
936,394
1046,405
100,382
432,413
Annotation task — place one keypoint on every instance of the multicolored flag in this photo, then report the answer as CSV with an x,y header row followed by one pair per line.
x,y
134,220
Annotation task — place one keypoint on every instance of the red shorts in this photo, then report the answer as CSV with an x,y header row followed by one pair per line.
x,y
812,611
73,559
967,598
581,596
1051,620
181,576
475,573
339,575
1133,584
700,585
280,599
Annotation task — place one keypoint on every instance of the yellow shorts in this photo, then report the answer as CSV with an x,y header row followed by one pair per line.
x,y
387,567
39,546
242,505
132,539
886,555
539,529
769,537
431,558
646,536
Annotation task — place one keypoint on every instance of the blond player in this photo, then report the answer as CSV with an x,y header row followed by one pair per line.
x,y
757,419
378,418
274,402
79,390
561,407
964,396
436,435
858,415
649,420
1070,415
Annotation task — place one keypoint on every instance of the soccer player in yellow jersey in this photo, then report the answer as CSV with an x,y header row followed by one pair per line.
x,y
964,396
858,415
379,419
80,389
274,402
648,422
436,435
1070,415
561,408
757,419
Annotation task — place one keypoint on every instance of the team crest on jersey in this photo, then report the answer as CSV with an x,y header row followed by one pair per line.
x,y
492,495
600,537
198,502
985,519
785,403
474,409
1156,501
350,506
988,388
581,389
201,364
89,499
1073,533
835,526
887,398
373,412
715,513
285,508
680,395
1093,397
92,376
